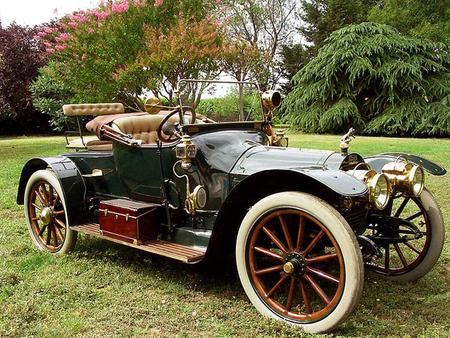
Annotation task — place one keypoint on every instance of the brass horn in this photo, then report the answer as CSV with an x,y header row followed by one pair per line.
x,y
271,99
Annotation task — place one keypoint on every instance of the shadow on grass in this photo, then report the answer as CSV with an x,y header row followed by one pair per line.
x,y
383,303
212,278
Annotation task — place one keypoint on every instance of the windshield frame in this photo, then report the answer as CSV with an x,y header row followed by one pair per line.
x,y
251,83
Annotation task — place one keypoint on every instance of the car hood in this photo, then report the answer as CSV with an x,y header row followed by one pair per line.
x,y
265,158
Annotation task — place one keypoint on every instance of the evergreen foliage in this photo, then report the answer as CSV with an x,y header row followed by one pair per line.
x,y
373,78
322,17
429,19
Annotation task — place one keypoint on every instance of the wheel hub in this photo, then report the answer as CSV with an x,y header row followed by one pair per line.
x,y
46,216
294,264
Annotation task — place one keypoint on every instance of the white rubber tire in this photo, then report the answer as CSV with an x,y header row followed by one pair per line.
x,y
71,236
344,236
436,245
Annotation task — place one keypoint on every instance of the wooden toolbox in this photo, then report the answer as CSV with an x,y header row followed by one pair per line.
x,y
129,221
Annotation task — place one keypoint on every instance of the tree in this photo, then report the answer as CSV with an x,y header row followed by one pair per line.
x,y
293,58
20,59
99,54
429,19
371,77
322,17
50,95
261,25
190,49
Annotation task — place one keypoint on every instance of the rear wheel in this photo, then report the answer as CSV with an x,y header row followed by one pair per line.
x,y
299,261
46,214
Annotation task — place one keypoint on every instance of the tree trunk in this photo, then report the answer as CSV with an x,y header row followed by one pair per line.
x,y
241,102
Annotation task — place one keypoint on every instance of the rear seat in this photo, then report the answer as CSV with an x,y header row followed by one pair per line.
x,y
141,126
98,109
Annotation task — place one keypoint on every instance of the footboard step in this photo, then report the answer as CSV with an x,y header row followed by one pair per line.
x,y
176,251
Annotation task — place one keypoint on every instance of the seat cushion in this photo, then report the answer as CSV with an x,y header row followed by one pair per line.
x,y
90,143
143,127
93,109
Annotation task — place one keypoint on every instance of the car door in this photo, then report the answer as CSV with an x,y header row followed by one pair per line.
x,y
139,169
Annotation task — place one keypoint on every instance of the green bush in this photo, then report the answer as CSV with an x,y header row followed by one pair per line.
x,y
373,78
49,95
227,108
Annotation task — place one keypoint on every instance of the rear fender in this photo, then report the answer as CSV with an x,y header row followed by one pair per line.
x,y
72,183
377,162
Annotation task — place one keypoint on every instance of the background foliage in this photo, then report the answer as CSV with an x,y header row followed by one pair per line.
x,y
126,50
372,77
20,59
227,108
429,19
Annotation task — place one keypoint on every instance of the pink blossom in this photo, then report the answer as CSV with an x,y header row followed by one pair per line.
x,y
60,48
36,37
101,15
48,30
158,3
90,30
62,25
50,50
63,37
47,44
41,34
120,7
73,24
81,18
138,3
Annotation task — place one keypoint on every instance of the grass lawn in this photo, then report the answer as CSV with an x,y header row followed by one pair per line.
x,y
104,289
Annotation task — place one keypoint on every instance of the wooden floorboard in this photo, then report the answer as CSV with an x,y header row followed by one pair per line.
x,y
176,251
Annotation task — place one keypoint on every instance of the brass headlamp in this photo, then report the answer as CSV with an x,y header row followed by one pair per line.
x,y
379,187
405,176
271,99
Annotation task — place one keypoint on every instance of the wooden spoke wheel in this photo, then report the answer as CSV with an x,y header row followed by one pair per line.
x,y
299,261
411,258
46,213
296,265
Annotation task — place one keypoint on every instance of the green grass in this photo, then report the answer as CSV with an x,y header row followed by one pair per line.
x,y
104,289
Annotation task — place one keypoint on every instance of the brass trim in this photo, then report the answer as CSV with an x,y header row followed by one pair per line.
x,y
127,216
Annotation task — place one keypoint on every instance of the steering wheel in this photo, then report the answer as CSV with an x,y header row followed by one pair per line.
x,y
168,128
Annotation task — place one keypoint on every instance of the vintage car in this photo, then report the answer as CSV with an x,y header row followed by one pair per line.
x,y
304,225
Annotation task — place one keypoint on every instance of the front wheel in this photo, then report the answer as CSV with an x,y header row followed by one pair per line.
x,y
46,214
409,259
299,261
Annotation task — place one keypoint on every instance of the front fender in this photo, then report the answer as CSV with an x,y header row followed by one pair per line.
x,y
339,181
72,183
377,162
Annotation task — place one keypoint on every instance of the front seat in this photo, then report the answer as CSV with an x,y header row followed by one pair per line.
x,y
143,127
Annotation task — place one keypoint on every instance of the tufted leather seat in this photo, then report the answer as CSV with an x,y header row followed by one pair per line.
x,y
142,128
92,109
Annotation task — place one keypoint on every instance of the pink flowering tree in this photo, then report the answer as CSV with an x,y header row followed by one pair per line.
x,y
102,54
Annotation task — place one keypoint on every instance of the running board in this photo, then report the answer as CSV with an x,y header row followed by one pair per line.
x,y
176,251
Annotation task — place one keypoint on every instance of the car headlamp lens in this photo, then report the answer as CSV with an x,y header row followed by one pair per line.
x,y
379,191
416,179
